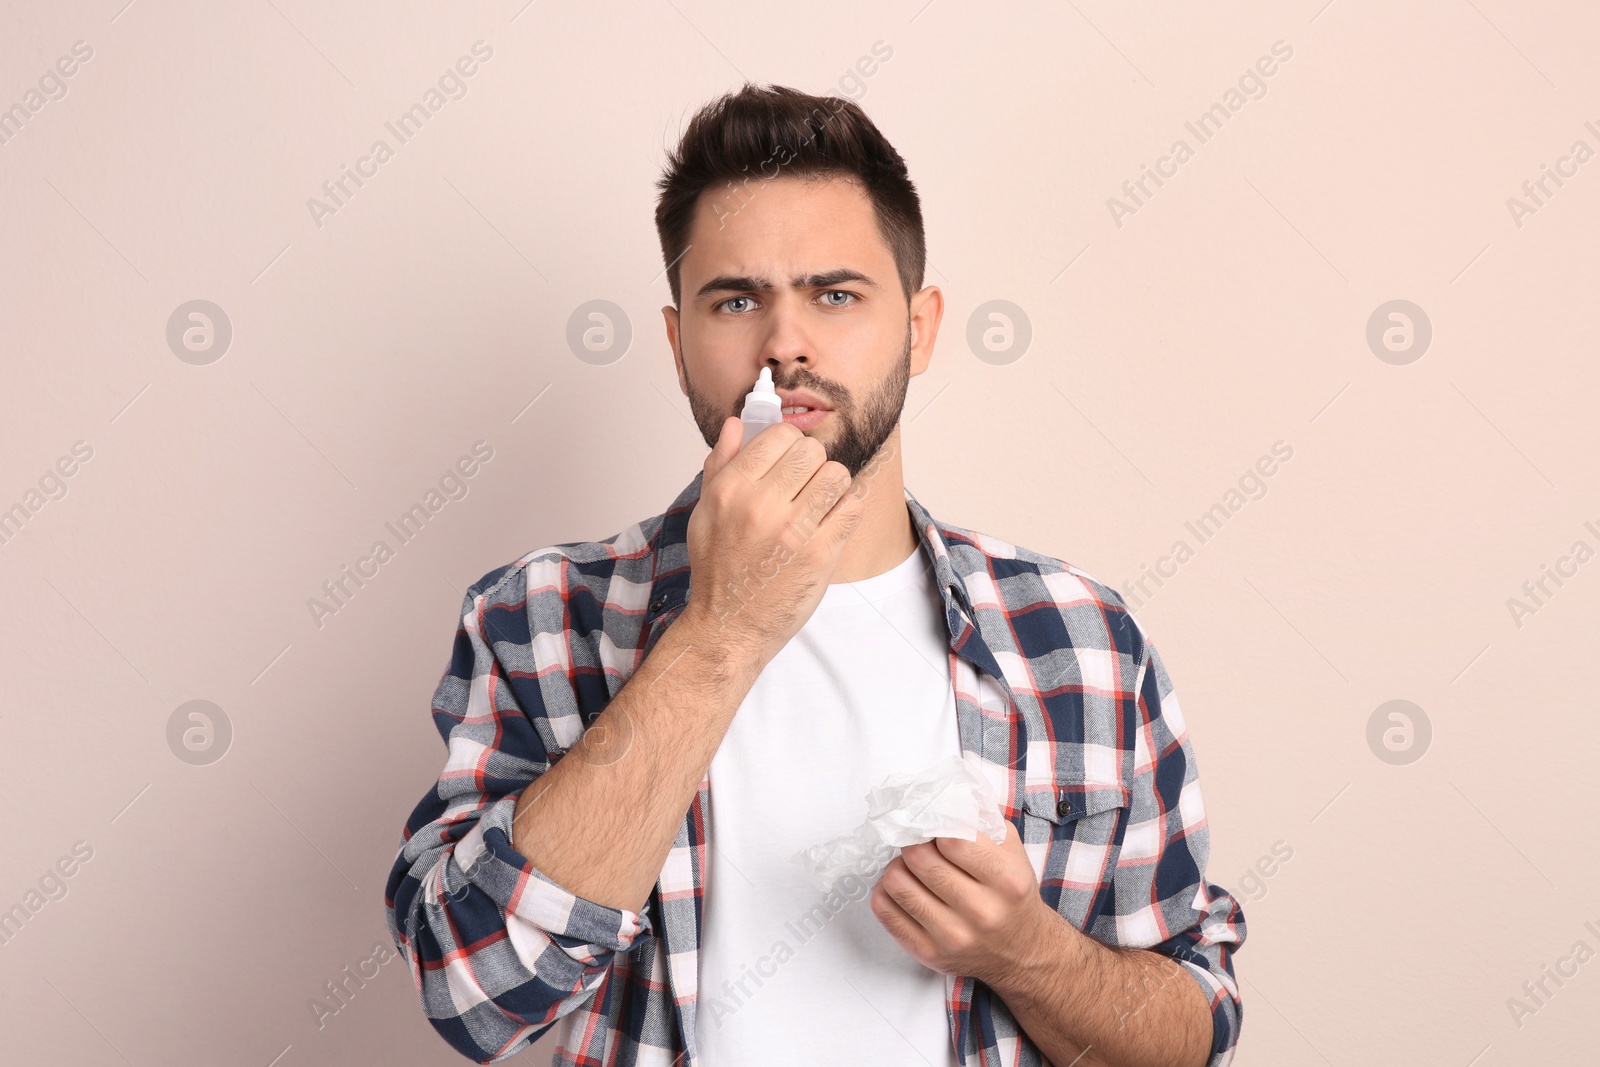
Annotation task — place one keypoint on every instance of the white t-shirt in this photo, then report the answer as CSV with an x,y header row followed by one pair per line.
x,y
787,974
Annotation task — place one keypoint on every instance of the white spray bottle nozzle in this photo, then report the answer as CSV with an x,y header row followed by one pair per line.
x,y
762,407
763,391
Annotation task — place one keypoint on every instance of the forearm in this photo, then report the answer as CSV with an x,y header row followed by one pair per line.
x,y
1089,1005
601,821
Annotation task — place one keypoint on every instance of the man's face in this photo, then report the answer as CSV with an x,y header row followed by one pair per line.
x,y
793,274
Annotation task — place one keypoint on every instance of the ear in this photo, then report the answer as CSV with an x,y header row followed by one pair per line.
x,y
670,314
927,309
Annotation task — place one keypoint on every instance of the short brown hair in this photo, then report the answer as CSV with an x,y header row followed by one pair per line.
x,y
773,131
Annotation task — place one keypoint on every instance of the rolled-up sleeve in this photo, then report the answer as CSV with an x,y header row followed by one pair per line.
x,y
498,951
1163,901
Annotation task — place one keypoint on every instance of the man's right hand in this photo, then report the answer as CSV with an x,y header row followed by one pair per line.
x,y
764,540
766,536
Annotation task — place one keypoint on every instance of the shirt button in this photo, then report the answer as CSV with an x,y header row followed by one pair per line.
x,y
1063,806
658,603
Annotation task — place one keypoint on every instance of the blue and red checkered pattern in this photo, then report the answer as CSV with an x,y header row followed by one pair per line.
x,y
1058,690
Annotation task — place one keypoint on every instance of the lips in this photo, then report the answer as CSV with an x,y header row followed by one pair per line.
x,y
801,398
805,420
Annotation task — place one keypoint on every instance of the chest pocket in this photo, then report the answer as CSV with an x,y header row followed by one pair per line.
x,y
1083,823
1067,802
1079,825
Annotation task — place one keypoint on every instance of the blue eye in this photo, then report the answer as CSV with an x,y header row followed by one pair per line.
x,y
838,292
731,299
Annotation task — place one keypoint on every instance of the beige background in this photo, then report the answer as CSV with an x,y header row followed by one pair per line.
x,y
1168,354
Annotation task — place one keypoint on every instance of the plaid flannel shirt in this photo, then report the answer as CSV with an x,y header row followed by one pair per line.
x,y
1056,687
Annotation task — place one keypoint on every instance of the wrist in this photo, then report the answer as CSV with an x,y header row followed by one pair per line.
x,y
725,648
697,653
1048,948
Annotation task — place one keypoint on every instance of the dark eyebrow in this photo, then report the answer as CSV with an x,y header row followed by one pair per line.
x,y
743,283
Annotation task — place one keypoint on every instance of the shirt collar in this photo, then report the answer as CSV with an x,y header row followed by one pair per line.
x,y
669,582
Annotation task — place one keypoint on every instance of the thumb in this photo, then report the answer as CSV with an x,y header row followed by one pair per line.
x,y
727,446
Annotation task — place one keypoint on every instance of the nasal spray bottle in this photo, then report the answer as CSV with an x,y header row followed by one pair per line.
x,y
762,407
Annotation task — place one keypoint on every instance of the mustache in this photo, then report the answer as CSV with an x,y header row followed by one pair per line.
x,y
837,397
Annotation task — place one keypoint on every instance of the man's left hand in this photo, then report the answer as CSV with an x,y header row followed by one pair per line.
x,y
964,907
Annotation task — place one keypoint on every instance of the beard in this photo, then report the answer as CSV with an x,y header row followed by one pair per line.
x,y
860,429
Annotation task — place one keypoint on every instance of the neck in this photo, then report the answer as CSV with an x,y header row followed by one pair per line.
x,y
885,537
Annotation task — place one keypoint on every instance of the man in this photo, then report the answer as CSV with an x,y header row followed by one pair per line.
x,y
644,731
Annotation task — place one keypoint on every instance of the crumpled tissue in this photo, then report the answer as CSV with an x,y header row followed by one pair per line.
x,y
952,798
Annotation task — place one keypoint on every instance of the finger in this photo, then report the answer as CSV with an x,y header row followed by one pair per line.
x,y
822,492
842,518
1013,839
1005,868
944,879
766,450
979,859
726,448
798,459
901,926
918,901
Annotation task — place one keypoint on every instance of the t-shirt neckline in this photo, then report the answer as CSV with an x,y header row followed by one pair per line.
x,y
878,587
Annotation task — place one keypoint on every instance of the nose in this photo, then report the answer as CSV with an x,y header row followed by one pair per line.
x,y
786,343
